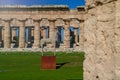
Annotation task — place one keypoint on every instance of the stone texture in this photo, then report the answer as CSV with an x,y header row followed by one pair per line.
x,y
22,34
100,41
7,34
67,34
44,33
90,45
68,50
105,41
32,31
29,22
52,32
117,41
44,22
37,34
13,33
81,36
14,22
59,22
74,23
76,35
0,35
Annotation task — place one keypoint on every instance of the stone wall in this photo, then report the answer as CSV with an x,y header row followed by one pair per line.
x,y
117,41
102,40
40,50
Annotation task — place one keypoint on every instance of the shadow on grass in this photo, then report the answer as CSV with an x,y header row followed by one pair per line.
x,y
59,65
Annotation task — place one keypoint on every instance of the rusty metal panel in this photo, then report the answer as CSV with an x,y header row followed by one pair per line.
x,y
48,62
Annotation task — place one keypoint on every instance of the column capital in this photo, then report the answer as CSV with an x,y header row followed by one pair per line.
x,y
22,22
67,23
67,20
22,19
37,20
74,19
81,21
59,18
7,20
44,19
7,23
52,20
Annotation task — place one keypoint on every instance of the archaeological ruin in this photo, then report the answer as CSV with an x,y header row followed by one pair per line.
x,y
28,26
93,28
102,40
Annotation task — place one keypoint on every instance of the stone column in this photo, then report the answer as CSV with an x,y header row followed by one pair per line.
x,y
52,32
99,63
44,33
3,33
32,31
37,34
29,34
67,34
22,34
0,34
81,36
0,37
7,39
13,33
90,46
76,35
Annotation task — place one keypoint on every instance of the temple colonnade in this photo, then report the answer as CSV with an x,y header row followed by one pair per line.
x,y
37,31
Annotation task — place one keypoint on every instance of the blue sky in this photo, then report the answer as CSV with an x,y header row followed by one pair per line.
x,y
70,3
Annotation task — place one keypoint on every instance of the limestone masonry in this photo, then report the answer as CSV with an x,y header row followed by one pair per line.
x,y
42,22
102,40
99,38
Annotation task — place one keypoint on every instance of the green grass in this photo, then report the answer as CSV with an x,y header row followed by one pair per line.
x,y
26,66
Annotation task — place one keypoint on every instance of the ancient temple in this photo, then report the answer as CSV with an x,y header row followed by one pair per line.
x,y
28,26
99,24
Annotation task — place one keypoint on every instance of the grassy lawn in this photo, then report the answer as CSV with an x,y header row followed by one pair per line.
x,y
26,66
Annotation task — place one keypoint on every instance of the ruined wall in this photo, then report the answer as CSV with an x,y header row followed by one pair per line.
x,y
117,41
101,45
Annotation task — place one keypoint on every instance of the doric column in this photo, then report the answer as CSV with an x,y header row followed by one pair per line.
x,y
81,36
67,34
44,33
13,33
3,33
29,34
0,34
52,32
32,31
7,34
22,34
0,37
36,34
76,35
52,28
